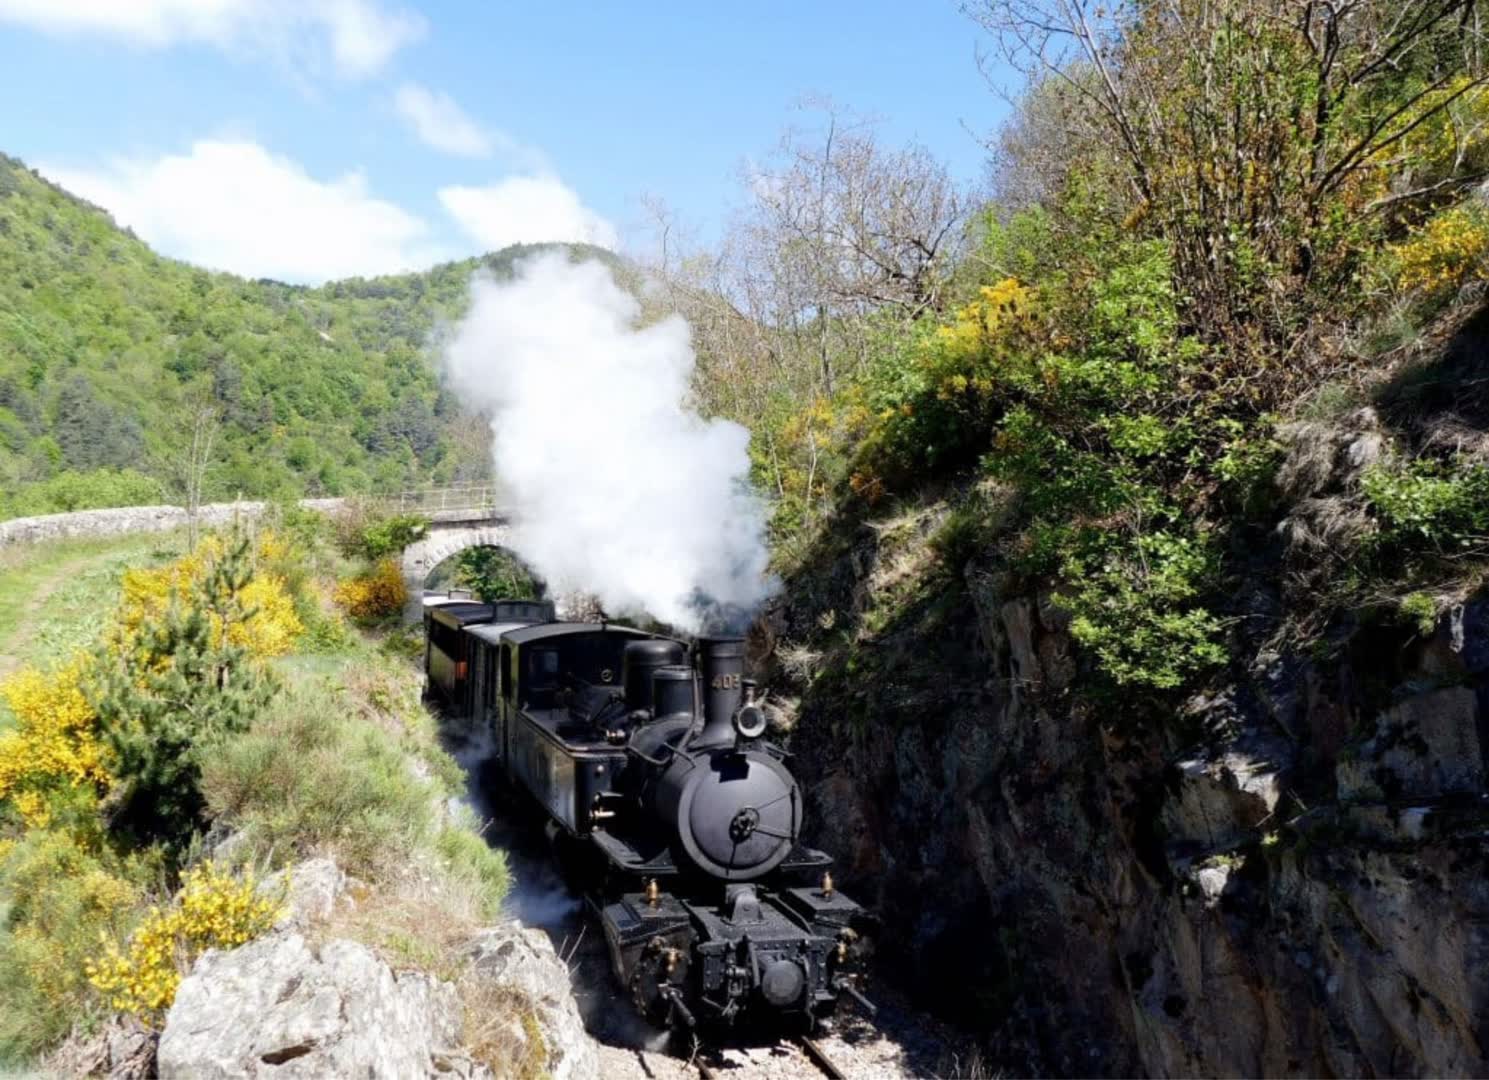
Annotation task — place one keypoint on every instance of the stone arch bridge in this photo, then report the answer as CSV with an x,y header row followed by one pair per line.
x,y
461,516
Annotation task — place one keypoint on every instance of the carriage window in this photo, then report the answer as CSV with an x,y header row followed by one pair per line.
x,y
445,639
507,680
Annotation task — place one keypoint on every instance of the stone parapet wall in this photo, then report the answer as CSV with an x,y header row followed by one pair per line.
x,y
119,521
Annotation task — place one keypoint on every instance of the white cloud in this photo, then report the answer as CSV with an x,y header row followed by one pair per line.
x,y
358,35
526,210
441,123
235,206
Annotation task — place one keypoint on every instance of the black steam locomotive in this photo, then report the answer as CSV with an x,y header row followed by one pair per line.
x,y
651,767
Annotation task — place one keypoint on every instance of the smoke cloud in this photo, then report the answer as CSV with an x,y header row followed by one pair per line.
x,y
619,488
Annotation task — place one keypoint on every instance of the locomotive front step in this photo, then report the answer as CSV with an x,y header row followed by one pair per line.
x,y
785,951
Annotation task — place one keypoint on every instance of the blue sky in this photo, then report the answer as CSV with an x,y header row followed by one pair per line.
x,y
308,139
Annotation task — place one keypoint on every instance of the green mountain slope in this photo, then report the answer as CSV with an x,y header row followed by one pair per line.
x,y
106,349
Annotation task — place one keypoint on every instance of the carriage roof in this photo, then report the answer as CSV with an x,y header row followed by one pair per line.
x,y
538,631
460,613
492,632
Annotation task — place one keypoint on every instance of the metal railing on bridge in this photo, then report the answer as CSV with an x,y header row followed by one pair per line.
x,y
471,498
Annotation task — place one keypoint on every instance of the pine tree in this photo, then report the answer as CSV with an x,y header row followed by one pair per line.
x,y
168,693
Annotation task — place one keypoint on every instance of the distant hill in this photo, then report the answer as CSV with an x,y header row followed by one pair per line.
x,y
105,346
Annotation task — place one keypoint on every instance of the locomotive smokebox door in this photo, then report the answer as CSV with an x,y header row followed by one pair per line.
x,y
736,814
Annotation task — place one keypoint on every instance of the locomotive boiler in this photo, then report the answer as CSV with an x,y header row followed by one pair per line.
x,y
667,803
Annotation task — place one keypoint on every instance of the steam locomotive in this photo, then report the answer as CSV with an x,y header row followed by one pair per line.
x,y
650,764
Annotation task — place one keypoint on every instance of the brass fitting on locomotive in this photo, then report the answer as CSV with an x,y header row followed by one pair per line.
x,y
668,958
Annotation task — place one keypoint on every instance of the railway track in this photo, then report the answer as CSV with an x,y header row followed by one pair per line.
x,y
810,1048
819,1058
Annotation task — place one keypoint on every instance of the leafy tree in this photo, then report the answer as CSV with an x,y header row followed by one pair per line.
x,y
494,573
1268,144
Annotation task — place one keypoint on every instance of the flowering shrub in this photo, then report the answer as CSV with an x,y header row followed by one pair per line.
x,y
932,405
376,594
273,626
62,894
213,911
981,326
1445,252
54,745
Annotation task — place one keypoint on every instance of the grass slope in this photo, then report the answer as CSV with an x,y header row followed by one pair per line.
x,y
53,595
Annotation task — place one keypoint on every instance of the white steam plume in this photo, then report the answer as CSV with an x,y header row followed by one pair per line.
x,y
618,487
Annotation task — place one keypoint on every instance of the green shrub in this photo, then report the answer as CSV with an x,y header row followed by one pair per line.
x,y
471,861
493,574
1429,505
1419,610
63,893
309,776
324,634
1247,468
391,535
365,531
1135,605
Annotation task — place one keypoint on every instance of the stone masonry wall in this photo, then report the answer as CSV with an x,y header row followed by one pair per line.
x,y
119,521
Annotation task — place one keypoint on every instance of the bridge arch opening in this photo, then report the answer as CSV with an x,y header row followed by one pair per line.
x,y
487,572
439,561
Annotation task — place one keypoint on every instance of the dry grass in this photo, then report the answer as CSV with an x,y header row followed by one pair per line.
x,y
501,1030
414,916
799,662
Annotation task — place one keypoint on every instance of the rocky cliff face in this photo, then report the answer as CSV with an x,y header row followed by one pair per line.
x,y
1288,876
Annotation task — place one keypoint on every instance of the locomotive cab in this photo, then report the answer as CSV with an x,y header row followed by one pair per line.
x,y
563,698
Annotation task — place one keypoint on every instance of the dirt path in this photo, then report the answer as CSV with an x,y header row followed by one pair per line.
x,y
29,621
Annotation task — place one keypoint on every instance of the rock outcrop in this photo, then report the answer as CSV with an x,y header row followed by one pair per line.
x,y
291,1004
1285,877
283,1006
521,959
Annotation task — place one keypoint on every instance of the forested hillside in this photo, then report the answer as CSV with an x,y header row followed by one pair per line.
x,y
1131,510
111,357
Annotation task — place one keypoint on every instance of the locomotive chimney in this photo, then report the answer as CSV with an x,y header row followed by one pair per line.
x,y
721,673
